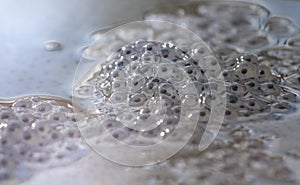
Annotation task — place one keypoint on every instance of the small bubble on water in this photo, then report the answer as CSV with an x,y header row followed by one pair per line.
x,y
52,45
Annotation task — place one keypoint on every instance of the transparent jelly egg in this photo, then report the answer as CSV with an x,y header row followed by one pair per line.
x,y
27,118
23,104
282,106
44,107
137,100
293,80
233,101
58,117
246,71
294,42
270,88
204,115
237,89
119,97
281,27
255,105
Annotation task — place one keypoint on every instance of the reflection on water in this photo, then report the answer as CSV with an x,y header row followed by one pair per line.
x,y
27,25
257,143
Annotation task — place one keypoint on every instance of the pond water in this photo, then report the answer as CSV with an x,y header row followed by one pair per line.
x,y
257,45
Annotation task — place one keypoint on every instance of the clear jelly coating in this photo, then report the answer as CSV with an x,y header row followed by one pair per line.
x,y
146,84
260,86
133,90
36,133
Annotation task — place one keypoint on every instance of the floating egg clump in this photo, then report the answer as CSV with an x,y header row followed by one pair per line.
x,y
37,133
145,88
252,88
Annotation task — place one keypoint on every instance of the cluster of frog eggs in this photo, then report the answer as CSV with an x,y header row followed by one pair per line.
x,y
284,61
230,28
36,133
253,88
237,158
256,84
143,84
140,74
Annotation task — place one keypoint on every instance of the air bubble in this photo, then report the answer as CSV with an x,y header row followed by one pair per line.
x,y
52,46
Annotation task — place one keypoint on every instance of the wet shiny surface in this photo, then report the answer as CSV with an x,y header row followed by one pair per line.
x,y
37,133
30,69
257,143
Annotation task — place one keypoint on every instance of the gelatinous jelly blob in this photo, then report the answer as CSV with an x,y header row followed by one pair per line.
x,y
149,84
281,27
37,133
214,23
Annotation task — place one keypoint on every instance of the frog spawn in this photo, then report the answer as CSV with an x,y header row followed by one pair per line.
x,y
281,27
253,22
147,83
253,89
238,157
37,133
227,35
283,61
